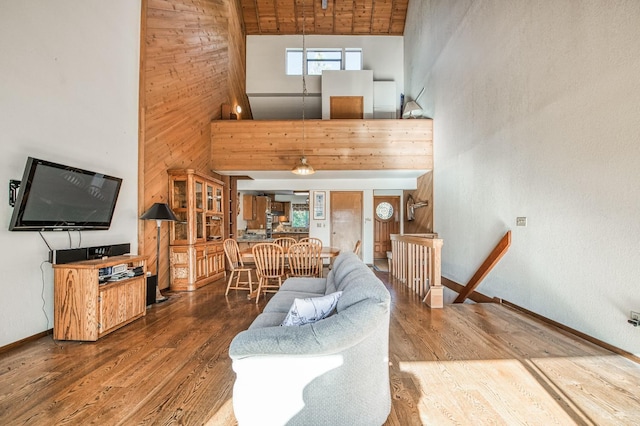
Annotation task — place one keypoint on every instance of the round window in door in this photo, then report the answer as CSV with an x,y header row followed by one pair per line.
x,y
384,211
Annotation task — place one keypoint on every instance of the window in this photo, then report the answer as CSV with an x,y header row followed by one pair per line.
x,y
300,215
353,59
294,61
318,60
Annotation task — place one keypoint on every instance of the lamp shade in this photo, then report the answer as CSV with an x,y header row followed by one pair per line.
x,y
303,168
411,110
159,211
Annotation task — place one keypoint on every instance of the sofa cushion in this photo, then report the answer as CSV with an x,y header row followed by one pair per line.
x,y
307,285
268,319
282,300
345,264
311,309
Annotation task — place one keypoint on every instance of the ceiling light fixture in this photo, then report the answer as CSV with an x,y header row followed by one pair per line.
x,y
303,168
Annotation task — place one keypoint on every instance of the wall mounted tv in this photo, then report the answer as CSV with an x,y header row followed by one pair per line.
x,y
55,197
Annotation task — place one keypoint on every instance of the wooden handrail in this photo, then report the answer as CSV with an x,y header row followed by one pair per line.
x,y
416,263
486,267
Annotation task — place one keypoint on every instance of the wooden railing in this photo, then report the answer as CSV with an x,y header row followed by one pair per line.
x,y
415,261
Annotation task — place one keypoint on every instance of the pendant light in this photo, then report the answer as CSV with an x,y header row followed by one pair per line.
x,y
303,168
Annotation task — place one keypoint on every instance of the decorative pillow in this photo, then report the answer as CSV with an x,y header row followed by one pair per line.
x,y
311,309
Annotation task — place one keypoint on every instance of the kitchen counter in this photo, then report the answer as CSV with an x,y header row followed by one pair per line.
x,y
248,241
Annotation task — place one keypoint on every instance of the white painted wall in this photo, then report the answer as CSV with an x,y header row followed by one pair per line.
x,y
347,83
537,113
69,94
271,91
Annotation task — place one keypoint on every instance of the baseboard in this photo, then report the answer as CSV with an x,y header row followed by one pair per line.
x,y
481,298
26,340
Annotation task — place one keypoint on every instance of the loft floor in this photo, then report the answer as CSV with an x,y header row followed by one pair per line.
x,y
464,364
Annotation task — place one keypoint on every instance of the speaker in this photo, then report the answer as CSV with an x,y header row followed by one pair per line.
x,y
87,253
152,283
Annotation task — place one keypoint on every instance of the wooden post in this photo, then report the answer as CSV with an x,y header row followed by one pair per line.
x,y
435,296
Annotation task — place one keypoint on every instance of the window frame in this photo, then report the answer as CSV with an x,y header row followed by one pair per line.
x,y
305,58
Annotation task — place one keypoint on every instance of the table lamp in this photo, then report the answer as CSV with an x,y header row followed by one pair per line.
x,y
159,212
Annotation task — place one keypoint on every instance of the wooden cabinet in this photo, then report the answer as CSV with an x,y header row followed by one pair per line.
x,y
85,309
262,207
249,207
195,240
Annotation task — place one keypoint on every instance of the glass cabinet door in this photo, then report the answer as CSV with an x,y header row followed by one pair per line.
x,y
219,200
199,212
210,198
179,202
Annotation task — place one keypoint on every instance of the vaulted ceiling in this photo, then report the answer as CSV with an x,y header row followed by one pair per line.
x,y
340,17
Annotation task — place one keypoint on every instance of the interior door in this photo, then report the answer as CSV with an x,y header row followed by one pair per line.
x,y
346,107
386,211
346,219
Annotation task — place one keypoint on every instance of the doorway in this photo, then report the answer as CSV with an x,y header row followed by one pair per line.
x,y
346,219
386,213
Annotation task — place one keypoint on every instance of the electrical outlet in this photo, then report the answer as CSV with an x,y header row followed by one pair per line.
x,y
635,316
521,221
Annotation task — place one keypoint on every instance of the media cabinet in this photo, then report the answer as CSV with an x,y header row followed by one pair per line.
x,y
84,309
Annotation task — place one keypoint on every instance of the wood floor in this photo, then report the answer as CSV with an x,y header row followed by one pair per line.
x,y
462,365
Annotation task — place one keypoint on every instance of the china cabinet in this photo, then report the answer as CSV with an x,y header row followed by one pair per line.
x,y
195,240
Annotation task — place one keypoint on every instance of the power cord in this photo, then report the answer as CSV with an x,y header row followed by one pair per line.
x,y
44,302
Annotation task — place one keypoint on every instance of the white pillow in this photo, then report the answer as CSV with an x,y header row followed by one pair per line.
x,y
311,309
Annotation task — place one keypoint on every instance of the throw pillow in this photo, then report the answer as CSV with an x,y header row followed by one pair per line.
x,y
311,309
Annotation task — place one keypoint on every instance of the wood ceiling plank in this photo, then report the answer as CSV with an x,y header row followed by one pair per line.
x,y
357,17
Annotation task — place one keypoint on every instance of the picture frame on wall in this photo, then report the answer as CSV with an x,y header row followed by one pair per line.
x,y
319,205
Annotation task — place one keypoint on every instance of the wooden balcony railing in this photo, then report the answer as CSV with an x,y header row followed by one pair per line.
x,y
415,261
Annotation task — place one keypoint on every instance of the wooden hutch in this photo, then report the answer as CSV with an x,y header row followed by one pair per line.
x,y
195,245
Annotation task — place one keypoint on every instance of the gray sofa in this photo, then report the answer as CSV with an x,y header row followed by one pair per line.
x,y
331,372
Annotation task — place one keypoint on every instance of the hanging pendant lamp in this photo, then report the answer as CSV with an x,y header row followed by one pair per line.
x,y
303,168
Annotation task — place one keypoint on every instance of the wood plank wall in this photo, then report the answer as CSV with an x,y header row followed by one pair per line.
x,y
192,61
327,144
423,222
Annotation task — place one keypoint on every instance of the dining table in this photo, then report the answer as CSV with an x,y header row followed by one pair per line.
x,y
325,253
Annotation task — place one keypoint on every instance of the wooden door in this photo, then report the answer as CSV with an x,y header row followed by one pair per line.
x,y
346,219
346,107
386,213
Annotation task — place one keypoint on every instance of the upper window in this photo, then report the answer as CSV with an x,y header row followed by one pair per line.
x,y
318,60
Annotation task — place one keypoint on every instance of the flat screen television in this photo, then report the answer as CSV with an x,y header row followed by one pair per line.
x,y
55,197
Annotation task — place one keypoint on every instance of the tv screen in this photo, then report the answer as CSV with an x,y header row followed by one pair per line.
x,y
57,197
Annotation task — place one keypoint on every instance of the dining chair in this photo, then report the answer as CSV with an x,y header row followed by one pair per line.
x,y
285,242
232,252
313,240
356,249
304,260
269,258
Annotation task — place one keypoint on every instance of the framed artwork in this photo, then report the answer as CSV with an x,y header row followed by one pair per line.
x,y
318,205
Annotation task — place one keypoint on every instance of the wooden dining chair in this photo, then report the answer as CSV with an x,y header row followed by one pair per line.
x,y
232,252
304,260
313,240
285,242
356,248
269,260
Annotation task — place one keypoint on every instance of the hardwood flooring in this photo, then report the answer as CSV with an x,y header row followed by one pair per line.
x,y
462,365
